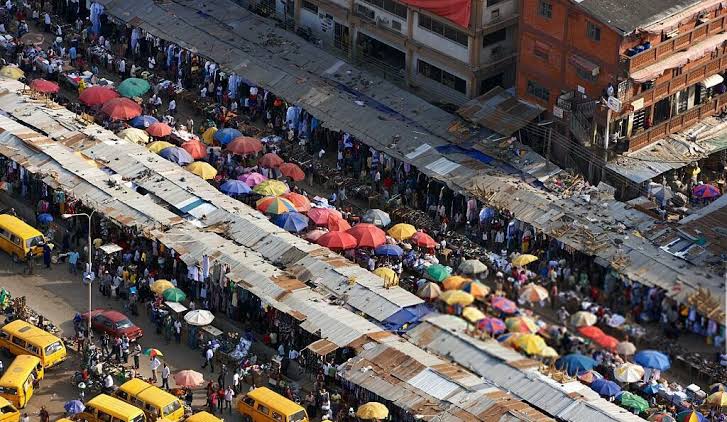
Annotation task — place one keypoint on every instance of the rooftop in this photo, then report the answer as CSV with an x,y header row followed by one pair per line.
x,y
626,16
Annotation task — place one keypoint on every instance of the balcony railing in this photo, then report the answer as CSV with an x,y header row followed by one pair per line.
x,y
677,123
666,48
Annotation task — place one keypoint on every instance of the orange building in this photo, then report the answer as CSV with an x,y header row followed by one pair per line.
x,y
662,60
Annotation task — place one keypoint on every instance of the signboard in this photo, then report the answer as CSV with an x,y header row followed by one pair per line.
x,y
614,104
557,112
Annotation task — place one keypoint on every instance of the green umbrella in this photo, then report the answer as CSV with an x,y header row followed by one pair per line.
x,y
438,272
133,87
174,295
633,401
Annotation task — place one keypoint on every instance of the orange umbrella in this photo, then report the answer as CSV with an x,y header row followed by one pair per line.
x,y
476,289
591,332
196,149
337,240
270,160
607,342
301,202
320,215
159,129
424,240
121,109
454,282
293,171
44,86
97,95
367,235
337,224
244,145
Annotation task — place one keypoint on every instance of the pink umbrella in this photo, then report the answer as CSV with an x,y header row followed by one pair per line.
x,y
252,179
271,160
320,215
337,224
313,235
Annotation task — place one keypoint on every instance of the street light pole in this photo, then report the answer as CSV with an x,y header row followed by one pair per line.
x,y
88,263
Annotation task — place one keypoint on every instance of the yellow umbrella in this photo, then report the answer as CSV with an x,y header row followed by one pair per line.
x,y
209,135
372,410
583,319
533,293
510,338
454,282
157,146
203,170
472,314
530,343
718,398
524,259
521,324
457,297
388,275
271,188
12,72
160,285
402,231
548,352
134,135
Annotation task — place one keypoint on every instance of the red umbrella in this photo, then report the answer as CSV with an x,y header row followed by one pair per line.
x,y
337,224
244,145
607,342
121,109
301,202
44,86
367,235
424,240
271,160
159,130
97,95
320,215
293,171
196,149
591,332
337,240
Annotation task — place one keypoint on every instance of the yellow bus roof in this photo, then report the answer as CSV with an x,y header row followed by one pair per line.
x,y
30,333
115,407
18,371
18,227
4,402
274,400
147,393
203,417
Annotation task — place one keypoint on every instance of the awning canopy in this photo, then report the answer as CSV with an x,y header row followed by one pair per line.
x,y
322,347
712,80
110,248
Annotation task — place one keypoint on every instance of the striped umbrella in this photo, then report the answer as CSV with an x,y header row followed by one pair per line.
x,y
521,324
492,325
274,205
504,305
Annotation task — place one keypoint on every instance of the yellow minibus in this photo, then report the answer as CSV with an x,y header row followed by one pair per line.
x,y
21,338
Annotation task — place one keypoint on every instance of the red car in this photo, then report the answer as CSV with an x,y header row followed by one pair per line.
x,y
114,323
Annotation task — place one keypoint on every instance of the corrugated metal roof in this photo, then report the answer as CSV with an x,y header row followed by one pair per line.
x,y
434,384
500,111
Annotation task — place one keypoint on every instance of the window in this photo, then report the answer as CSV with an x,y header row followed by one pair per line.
x,y
122,394
494,37
541,50
495,13
390,6
584,74
249,401
443,29
171,408
310,6
103,416
538,91
493,2
277,416
545,9
19,342
593,31
442,76
487,84
262,409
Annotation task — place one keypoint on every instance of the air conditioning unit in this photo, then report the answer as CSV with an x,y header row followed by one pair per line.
x,y
396,25
382,21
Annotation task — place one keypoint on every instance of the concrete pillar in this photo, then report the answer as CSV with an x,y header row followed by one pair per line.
x,y
410,62
296,12
353,41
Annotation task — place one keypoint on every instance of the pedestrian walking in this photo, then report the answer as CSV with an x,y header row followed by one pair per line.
x,y
236,381
209,355
178,331
137,355
154,364
229,394
124,349
222,376
165,376
44,416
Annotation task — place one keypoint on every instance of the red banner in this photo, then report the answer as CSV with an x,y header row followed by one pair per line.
x,y
457,11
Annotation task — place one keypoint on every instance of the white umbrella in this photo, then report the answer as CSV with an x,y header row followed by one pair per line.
x,y
199,317
472,266
377,217
626,348
629,372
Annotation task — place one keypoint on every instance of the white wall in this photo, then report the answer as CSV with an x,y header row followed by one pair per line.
x,y
321,24
384,18
505,10
438,42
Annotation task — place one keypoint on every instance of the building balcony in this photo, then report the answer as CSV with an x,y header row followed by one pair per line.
x,y
681,42
677,123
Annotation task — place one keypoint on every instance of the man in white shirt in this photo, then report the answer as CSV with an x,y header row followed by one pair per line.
x,y
152,62
173,107
46,21
108,383
165,376
155,364
178,331
209,355
122,68
236,381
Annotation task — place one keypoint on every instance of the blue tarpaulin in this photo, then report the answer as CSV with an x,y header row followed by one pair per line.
x,y
408,316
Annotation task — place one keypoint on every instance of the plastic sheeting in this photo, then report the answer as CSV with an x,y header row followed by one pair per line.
x,y
457,11
408,316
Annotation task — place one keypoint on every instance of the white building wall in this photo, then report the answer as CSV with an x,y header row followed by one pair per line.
x,y
382,18
321,24
498,11
439,43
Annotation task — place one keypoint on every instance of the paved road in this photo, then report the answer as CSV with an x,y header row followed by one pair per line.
x,y
58,296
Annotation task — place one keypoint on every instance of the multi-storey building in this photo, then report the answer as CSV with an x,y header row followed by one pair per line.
x,y
663,60
446,51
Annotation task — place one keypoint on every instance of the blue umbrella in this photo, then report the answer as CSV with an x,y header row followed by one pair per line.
x,y
575,363
45,218
74,406
651,389
291,221
235,187
143,122
605,387
226,135
389,250
486,214
177,155
652,359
